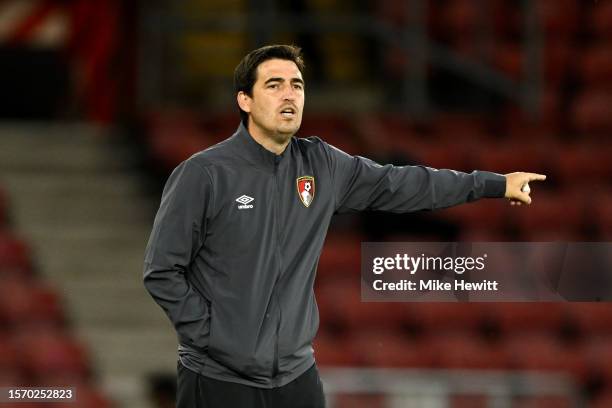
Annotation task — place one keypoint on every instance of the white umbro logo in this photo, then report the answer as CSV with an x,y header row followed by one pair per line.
x,y
244,200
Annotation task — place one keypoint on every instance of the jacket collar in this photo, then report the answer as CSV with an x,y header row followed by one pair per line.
x,y
255,153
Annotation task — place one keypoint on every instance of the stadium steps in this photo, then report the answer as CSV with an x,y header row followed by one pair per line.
x,y
77,196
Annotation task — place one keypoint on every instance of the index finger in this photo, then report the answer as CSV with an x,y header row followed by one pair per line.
x,y
536,176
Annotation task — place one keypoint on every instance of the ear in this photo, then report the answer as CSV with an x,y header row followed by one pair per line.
x,y
244,101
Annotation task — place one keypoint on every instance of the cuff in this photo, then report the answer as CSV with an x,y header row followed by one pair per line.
x,y
495,186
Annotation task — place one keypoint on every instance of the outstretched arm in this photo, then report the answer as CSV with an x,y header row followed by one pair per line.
x,y
361,184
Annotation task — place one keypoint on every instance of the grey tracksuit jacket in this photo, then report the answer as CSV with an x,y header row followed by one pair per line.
x,y
234,249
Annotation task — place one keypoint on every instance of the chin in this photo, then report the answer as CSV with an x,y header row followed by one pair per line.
x,y
286,132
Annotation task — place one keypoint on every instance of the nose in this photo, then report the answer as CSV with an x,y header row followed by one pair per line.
x,y
289,93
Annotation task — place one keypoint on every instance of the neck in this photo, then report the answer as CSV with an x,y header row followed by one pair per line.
x,y
274,143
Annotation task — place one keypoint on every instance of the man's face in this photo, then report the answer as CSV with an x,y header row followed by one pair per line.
x,y
277,100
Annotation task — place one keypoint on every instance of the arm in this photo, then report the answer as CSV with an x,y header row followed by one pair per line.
x,y
178,233
361,184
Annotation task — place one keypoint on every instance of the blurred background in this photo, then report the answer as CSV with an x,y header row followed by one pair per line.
x,y
101,99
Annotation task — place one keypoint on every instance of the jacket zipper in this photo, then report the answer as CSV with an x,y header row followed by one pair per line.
x,y
275,368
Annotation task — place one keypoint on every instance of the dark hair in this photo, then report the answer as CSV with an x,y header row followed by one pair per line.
x,y
245,73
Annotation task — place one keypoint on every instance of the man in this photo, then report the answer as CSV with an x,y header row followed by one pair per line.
x,y
235,244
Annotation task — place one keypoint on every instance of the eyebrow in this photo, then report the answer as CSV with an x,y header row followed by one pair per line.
x,y
278,79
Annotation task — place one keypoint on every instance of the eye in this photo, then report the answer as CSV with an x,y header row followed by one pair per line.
x,y
298,86
273,86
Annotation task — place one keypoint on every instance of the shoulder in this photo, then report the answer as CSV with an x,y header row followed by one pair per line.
x,y
214,155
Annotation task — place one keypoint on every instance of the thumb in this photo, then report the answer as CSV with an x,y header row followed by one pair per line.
x,y
524,198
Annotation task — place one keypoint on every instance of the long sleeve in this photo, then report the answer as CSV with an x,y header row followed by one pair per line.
x,y
178,234
361,184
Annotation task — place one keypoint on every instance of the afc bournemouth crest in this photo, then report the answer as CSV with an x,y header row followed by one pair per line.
x,y
306,189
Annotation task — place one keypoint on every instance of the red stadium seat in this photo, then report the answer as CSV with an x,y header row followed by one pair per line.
x,y
10,377
593,319
89,397
332,350
592,112
542,402
549,213
341,256
458,128
387,348
597,352
558,17
461,18
584,164
600,19
441,317
9,358
511,156
468,401
49,354
464,350
340,304
596,66
393,12
543,352
604,216
603,401
508,58
442,156
528,317
27,302
14,253
360,401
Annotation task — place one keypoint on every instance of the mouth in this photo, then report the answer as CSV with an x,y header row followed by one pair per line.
x,y
288,113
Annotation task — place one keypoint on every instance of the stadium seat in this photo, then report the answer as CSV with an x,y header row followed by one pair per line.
x,y
441,317
441,155
600,20
491,215
173,138
51,354
543,352
592,112
360,401
465,350
597,352
9,359
396,13
461,18
330,350
545,213
559,18
603,401
511,156
388,348
341,256
340,305
516,317
584,164
593,319
25,302
604,216
542,402
596,66
468,401
14,253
